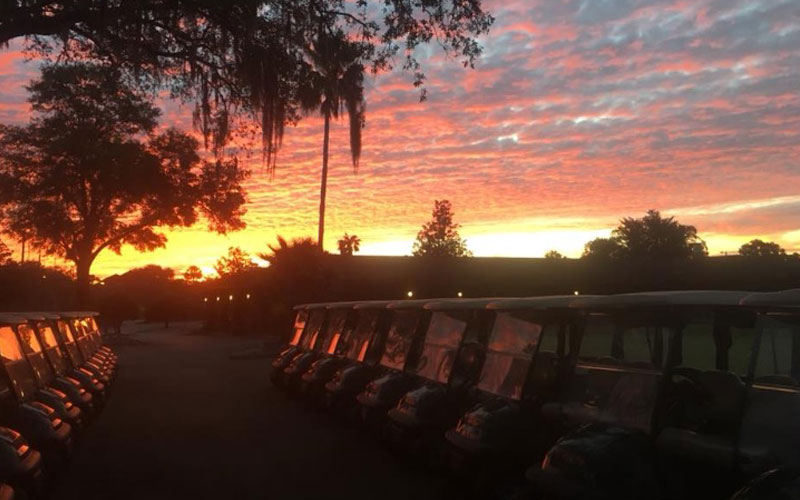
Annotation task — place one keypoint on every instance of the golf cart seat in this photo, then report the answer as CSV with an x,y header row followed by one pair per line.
x,y
708,431
722,411
718,451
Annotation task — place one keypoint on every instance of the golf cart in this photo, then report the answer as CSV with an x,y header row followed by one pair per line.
x,y
39,423
54,367
37,374
401,349
363,354
20,465
314,342
308,323
85,374
654,400
530,351
104,364
341,338
291,349
452,354
769,443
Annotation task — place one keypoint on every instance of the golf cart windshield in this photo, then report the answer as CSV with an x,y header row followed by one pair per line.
x,y
618,371
15,364
399,338
51,347
33,350
333,332
444,335
299,325
311,332
512,345
362,336
768,431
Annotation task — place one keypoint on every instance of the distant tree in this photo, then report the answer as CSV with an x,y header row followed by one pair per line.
x,y
652,237
150,272
236,262
294,252
348,245
91,172
5,253
240,58
762,249
296,270
554,254
192,274
603,248
657,237
334,83
439,237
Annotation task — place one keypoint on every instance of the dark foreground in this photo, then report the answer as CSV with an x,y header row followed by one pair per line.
x,y
186,421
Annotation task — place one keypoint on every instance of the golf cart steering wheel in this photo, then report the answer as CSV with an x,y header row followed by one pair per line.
x,y
686,393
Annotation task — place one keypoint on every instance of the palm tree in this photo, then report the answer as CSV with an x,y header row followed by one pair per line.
x,y
349,244
334,83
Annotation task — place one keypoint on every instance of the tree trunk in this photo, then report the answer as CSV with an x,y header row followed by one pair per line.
x,y
82,280
324,186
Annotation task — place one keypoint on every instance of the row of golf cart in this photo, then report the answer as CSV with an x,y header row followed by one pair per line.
x,y
670,395
55,377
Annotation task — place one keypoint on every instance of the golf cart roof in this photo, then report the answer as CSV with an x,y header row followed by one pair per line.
x,y
318,305
662,299
35,316
784,298
343,305
372,304
11,319
77,314
409,304
452,304
544,302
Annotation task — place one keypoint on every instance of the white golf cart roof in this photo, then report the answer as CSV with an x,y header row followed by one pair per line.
x,y
11,319
34,316
409,304
318,305
372,304
453,304
784,298
77,314
343,305
544,302
662,299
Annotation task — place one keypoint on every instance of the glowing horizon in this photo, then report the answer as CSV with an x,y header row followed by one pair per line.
x,y
579,113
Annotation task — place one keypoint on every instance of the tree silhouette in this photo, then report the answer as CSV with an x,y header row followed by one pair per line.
x,y
296,270
334,83
652,236
90,172
192,274
5,253
554,254
292,253
762,249
603,248
239,58
236,262
439,237
349,244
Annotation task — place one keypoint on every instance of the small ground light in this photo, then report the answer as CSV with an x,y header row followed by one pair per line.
x,y
230,297
460,294
410,294
205,299
217,299
248,296
576,292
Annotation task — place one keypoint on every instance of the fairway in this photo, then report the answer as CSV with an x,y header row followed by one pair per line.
x,y
186,421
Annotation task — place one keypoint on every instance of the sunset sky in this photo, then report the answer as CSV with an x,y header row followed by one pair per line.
x,y
579,112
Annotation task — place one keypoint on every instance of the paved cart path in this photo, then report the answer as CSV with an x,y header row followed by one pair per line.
x,y
186,421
